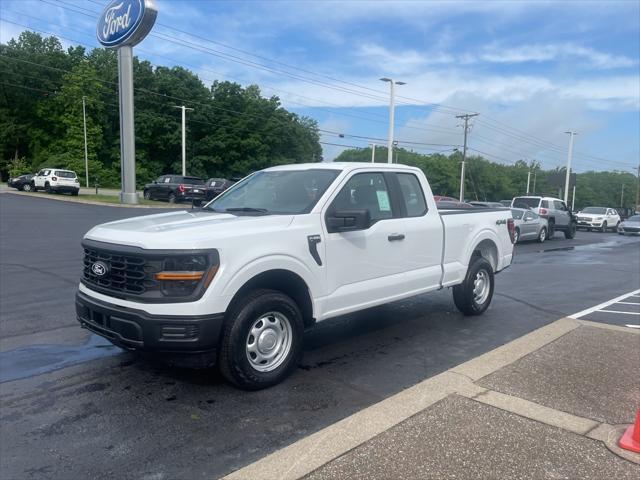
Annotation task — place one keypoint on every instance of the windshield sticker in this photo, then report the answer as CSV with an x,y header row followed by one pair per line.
x,y
383,201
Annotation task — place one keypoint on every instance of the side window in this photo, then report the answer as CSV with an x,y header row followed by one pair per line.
x,y
559,205
40,173
529,216
365,191
46,172
412,194
544,204
167,180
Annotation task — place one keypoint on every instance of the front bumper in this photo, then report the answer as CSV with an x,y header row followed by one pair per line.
x,y
590,223
137,330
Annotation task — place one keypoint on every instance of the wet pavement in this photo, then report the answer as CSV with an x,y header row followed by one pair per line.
x,y
74,407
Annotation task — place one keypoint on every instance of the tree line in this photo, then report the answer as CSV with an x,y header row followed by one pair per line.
x,y
489,181
232,131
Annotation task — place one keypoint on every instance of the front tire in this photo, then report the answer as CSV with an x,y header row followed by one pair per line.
x,y
47,188
261,340
552,230
604,227
542,236
147,195
516,236
26,187
474,294
571,232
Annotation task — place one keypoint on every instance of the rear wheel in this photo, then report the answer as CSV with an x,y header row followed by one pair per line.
x,y
261,340
473,296
542,236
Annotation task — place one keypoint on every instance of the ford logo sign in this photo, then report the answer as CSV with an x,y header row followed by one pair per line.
x,y
99,269
126,22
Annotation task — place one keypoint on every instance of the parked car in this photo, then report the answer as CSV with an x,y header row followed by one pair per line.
x,y
53,180
487,204
529,225
440,198
22,183
631,226
506,203
215,186
238,282
175,189
600,218
554,210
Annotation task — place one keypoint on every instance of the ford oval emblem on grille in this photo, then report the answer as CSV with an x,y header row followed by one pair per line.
x,y
99,269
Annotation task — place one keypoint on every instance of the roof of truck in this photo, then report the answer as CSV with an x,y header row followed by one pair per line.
x,y
338,166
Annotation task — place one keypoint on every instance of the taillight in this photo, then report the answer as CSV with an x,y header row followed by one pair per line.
x,y
511,226
544,212
55,179
181,188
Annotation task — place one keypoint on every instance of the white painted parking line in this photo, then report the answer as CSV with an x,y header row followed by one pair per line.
x,y
635,293
632,326
617,311
628,303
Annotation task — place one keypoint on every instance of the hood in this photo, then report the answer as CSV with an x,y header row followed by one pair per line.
x,y
590,215
185,229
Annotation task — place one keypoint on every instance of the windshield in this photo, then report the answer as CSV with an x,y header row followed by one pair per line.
x,y
284,192
517,214
64,174
597,210
526,202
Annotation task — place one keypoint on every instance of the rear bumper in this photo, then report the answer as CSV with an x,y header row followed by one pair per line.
x,y
137,330
64,188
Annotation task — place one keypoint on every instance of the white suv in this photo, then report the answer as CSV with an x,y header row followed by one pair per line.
x,y
57,181
600,218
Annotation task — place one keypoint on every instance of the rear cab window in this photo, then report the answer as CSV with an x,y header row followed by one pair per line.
x,y
412,194
64,174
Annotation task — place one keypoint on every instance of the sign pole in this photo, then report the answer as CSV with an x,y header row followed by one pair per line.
x,y
127,128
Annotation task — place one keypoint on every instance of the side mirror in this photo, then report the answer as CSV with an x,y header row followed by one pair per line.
x,y
348,220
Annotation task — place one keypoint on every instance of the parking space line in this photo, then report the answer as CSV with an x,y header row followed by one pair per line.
x,y
587,311
632,326
629,303
617,311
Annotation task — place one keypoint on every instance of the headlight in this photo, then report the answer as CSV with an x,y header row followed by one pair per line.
x,y
181,275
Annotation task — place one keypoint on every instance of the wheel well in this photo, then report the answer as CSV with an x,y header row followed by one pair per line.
x,y
487,250
286,282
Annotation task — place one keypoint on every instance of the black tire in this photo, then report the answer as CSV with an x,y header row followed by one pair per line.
x,y
172,197
542,236
516,236
570,233
47,187
604,227
615,229
26,187
552,229
147,195
75,193
463,294
233,357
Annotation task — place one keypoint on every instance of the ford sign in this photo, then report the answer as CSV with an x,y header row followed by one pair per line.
x,y
126,22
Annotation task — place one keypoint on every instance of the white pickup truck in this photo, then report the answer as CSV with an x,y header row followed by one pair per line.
x,y
237,281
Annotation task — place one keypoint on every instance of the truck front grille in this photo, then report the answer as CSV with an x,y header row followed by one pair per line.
x,y
125,273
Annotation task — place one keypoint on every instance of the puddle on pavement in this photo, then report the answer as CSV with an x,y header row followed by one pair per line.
x,y
35,360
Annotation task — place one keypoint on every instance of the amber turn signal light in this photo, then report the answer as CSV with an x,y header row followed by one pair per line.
x,y
193,276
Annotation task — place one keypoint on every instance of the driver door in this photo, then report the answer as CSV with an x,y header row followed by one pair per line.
x,y
364,267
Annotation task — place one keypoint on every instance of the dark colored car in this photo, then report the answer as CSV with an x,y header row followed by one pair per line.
x,y
22,183
215,186
176,188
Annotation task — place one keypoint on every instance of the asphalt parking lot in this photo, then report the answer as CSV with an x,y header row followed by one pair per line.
x,y
73,406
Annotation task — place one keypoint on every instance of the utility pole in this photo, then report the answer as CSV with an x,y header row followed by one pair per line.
x,y
86,156
569,157
573,199
622,197
637,205
184,137
373,152
464,150
395,147
528,180
535,174
392,108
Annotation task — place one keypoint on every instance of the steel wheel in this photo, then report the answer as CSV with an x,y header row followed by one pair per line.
x,y
481,287
26,187
269,341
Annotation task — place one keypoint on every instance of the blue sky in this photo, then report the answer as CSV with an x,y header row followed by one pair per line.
x,y
533,70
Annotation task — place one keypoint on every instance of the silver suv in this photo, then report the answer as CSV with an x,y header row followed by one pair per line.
x,y
553,209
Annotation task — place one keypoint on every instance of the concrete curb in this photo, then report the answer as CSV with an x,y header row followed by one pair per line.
x,y
310,453
91,202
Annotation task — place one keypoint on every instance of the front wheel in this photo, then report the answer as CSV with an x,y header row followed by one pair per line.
x,y
542,236
26,187
603,229
516,236
261,340
570,232
47,188
474,294
552,230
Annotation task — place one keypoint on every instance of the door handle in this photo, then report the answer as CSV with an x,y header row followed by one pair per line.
x,y
395,236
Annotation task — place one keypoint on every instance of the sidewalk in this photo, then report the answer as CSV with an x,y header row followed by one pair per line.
x,y
551,404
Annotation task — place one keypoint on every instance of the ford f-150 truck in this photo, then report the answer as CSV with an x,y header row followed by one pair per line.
x,y
237,281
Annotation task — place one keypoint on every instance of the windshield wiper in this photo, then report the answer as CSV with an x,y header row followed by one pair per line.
x,y
247,209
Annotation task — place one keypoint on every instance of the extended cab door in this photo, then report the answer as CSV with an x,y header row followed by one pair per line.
x,y
364,267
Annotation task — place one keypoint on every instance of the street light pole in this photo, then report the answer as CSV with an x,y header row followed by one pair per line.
x,y
184,137
373,153
86,156
569,157
392,108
